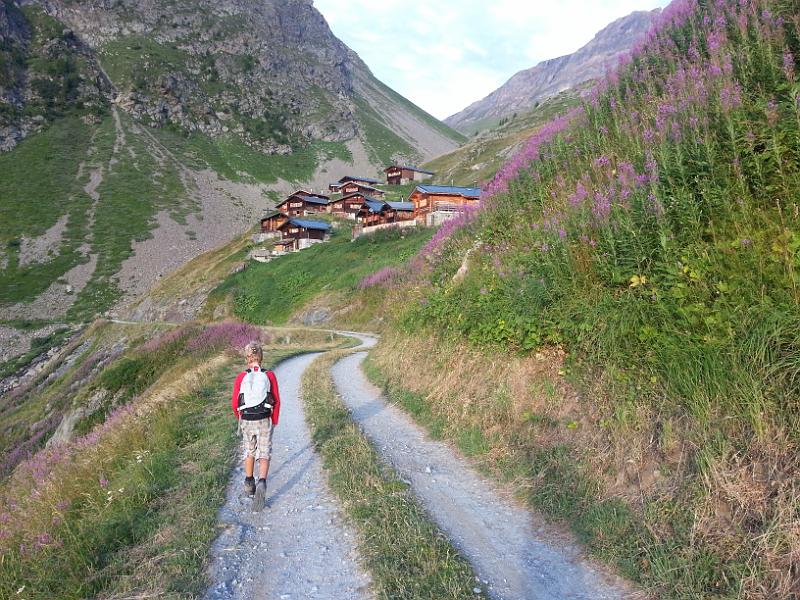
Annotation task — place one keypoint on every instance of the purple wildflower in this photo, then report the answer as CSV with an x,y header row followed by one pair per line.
x,y
384,277
788,65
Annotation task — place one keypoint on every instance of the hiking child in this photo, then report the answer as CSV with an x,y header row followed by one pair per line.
x,y
256,403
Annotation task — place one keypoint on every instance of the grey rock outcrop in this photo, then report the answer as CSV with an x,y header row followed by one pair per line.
x,y
45,70
270,71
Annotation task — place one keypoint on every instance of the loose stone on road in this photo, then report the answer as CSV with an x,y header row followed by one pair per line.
x,y
299,546
498,537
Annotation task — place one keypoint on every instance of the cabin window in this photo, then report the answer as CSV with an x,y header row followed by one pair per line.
x,y
293,230
296,204
423,202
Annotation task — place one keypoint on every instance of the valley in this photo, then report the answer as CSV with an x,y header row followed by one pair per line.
x,y
588,366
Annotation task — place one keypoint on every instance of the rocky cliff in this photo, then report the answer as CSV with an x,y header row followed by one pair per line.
x,y
45,70
270,71
548,78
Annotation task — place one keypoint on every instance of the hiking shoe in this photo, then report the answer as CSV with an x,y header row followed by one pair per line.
x,y
260,498
250,485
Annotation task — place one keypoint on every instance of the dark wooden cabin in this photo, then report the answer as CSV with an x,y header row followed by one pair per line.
x,y
304,203
349,180
377,212
348,206
272,221
303,229
403,174
353,187
442,198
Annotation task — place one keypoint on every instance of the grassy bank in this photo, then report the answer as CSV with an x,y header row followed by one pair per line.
x,y
642,499
133,512
407,556
270,293
648,240
129,508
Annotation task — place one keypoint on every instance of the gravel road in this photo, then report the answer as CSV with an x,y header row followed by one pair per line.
x,y
503,541
299,547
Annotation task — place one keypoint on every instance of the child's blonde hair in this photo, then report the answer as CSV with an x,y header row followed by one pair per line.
x,y
253,350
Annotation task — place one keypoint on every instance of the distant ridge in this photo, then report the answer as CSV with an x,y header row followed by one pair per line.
x,y
548,78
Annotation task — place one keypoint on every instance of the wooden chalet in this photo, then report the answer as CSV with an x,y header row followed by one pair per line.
x,y
304,203
349,179
377,212
272,221
303,229
444,200
402,174
352,187
348,206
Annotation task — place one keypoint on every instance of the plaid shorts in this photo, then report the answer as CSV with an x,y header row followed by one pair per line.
x,y
257,438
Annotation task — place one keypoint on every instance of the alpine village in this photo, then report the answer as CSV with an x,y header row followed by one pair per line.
x,y
359,200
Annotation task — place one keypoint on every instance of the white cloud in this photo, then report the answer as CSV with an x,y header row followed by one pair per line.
x,y
447,54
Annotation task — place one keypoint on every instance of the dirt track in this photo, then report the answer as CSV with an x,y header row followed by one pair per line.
x,y
503,541
299,547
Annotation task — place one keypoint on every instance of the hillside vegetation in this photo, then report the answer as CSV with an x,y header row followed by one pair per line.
x,y
646,243
126,504
329,274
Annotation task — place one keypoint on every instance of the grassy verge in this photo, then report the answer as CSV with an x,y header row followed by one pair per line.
x,y
129,509
133,513
645,500
407,556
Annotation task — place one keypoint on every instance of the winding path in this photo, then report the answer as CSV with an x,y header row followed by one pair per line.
x,y
299,546
504,543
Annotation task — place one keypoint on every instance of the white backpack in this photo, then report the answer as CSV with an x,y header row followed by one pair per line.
x,y
255,392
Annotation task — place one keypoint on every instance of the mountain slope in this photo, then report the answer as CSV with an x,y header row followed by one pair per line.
x,y
145,133
476,162
548,78
270,71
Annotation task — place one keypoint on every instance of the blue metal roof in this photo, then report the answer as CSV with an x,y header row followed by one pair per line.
x,y
357,179
449,189
401,205
320,225
375,206
314,199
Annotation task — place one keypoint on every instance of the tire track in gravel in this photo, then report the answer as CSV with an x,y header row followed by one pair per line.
x,y
299,546
504,542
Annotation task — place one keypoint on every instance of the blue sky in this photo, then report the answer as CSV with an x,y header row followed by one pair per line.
x,y
445,54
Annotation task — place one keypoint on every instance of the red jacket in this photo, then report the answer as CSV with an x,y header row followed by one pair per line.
x,y
273,382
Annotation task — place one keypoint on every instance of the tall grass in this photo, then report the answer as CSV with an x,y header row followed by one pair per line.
x,y
128,508
656,227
